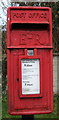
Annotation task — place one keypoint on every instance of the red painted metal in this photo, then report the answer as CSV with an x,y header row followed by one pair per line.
x,y
29,28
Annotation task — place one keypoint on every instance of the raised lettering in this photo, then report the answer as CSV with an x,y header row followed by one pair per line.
x,y
19,15
23,38
29,16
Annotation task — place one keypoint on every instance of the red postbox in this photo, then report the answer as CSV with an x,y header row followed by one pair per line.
x,y
29,60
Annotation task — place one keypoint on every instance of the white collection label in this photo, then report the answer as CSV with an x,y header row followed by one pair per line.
x,y
30,76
